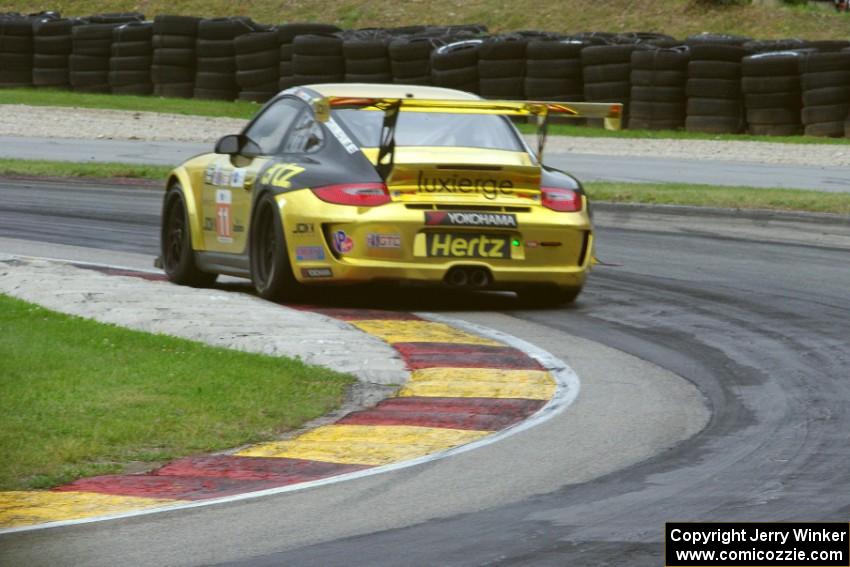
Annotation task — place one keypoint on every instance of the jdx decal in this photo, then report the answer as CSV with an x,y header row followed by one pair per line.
x,y
280,175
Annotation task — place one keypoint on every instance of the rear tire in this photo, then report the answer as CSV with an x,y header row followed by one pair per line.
x,y
549,296
178,258
271,269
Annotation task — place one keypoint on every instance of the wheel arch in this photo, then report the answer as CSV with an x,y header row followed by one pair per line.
x,y
179,177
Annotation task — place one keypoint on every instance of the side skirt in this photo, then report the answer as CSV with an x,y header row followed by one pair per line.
x,y
220,263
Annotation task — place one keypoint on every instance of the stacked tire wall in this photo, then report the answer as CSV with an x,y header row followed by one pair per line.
x,y
659,78
51,51
772,93
16,51
215,71
715,98
707,83
132,59
825,82
257,65
367,57
553,69
174,46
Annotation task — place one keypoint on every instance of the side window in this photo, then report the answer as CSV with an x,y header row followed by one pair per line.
x,y
307,136
270,127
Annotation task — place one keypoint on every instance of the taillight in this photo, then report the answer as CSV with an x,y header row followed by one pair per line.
x,y
561,200
355,194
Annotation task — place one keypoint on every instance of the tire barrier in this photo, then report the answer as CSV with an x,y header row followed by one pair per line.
x,y
772,94
174,43
131,59
215,63
501,66
318,58
553,69
607,73
825,82
16,51
715,100
712,83
367,57
286,34
257,65
659,80
52,47
455,65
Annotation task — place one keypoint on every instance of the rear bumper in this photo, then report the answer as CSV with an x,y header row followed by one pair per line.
x,y
335,244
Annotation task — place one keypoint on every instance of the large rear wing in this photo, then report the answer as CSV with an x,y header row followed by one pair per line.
x,y
611,113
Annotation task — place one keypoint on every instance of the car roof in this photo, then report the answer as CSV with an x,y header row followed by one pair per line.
x,y
369,90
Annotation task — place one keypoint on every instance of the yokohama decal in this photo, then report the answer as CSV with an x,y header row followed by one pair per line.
x,y
470,218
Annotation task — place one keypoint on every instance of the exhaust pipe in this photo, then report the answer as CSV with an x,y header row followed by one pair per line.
x,y
457,277
479,277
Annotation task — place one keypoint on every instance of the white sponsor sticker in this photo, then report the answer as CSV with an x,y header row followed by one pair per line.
x,y
237,178
340,135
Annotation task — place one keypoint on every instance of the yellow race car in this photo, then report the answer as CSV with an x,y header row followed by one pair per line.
x,y
350,183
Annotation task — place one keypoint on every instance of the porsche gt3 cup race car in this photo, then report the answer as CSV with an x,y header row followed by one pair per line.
x,y
351,183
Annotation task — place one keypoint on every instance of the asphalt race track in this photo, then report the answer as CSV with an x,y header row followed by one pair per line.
x,y
750,309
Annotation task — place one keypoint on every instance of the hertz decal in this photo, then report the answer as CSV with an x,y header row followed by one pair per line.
x,y
279,175
466,246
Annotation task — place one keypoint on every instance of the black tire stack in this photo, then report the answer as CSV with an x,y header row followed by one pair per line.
x,y
16,51
318,58
51,50
659,79
607,73
825,81
367,57
88,64
772,93
553,69
501,66
715,98
286,34
174,54
132,58
215,71
410,58
257,65
455,65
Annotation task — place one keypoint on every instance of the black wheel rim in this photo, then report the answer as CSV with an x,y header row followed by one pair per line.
x,y
175,236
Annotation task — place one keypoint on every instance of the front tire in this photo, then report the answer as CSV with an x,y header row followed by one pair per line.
x,y
271,269
178,257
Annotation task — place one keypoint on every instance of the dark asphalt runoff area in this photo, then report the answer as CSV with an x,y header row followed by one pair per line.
x,y
587,167
752,309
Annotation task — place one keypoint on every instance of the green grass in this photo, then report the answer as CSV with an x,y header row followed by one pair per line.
x,y
674,17
723,197
56,97
89,169
79,398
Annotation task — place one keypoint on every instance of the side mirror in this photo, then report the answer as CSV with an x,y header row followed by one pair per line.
x,y
228,145
237,144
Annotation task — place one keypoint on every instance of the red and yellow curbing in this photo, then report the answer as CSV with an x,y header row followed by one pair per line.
x,y
463,387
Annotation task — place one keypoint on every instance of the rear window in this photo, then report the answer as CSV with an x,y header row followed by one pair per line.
x,y
433,129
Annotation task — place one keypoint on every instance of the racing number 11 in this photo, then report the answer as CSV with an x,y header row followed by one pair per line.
x,y
223,220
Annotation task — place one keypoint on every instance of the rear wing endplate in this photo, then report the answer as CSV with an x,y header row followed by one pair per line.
x,y
611,113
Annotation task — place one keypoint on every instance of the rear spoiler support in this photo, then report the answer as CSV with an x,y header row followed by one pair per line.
x,y
611,113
